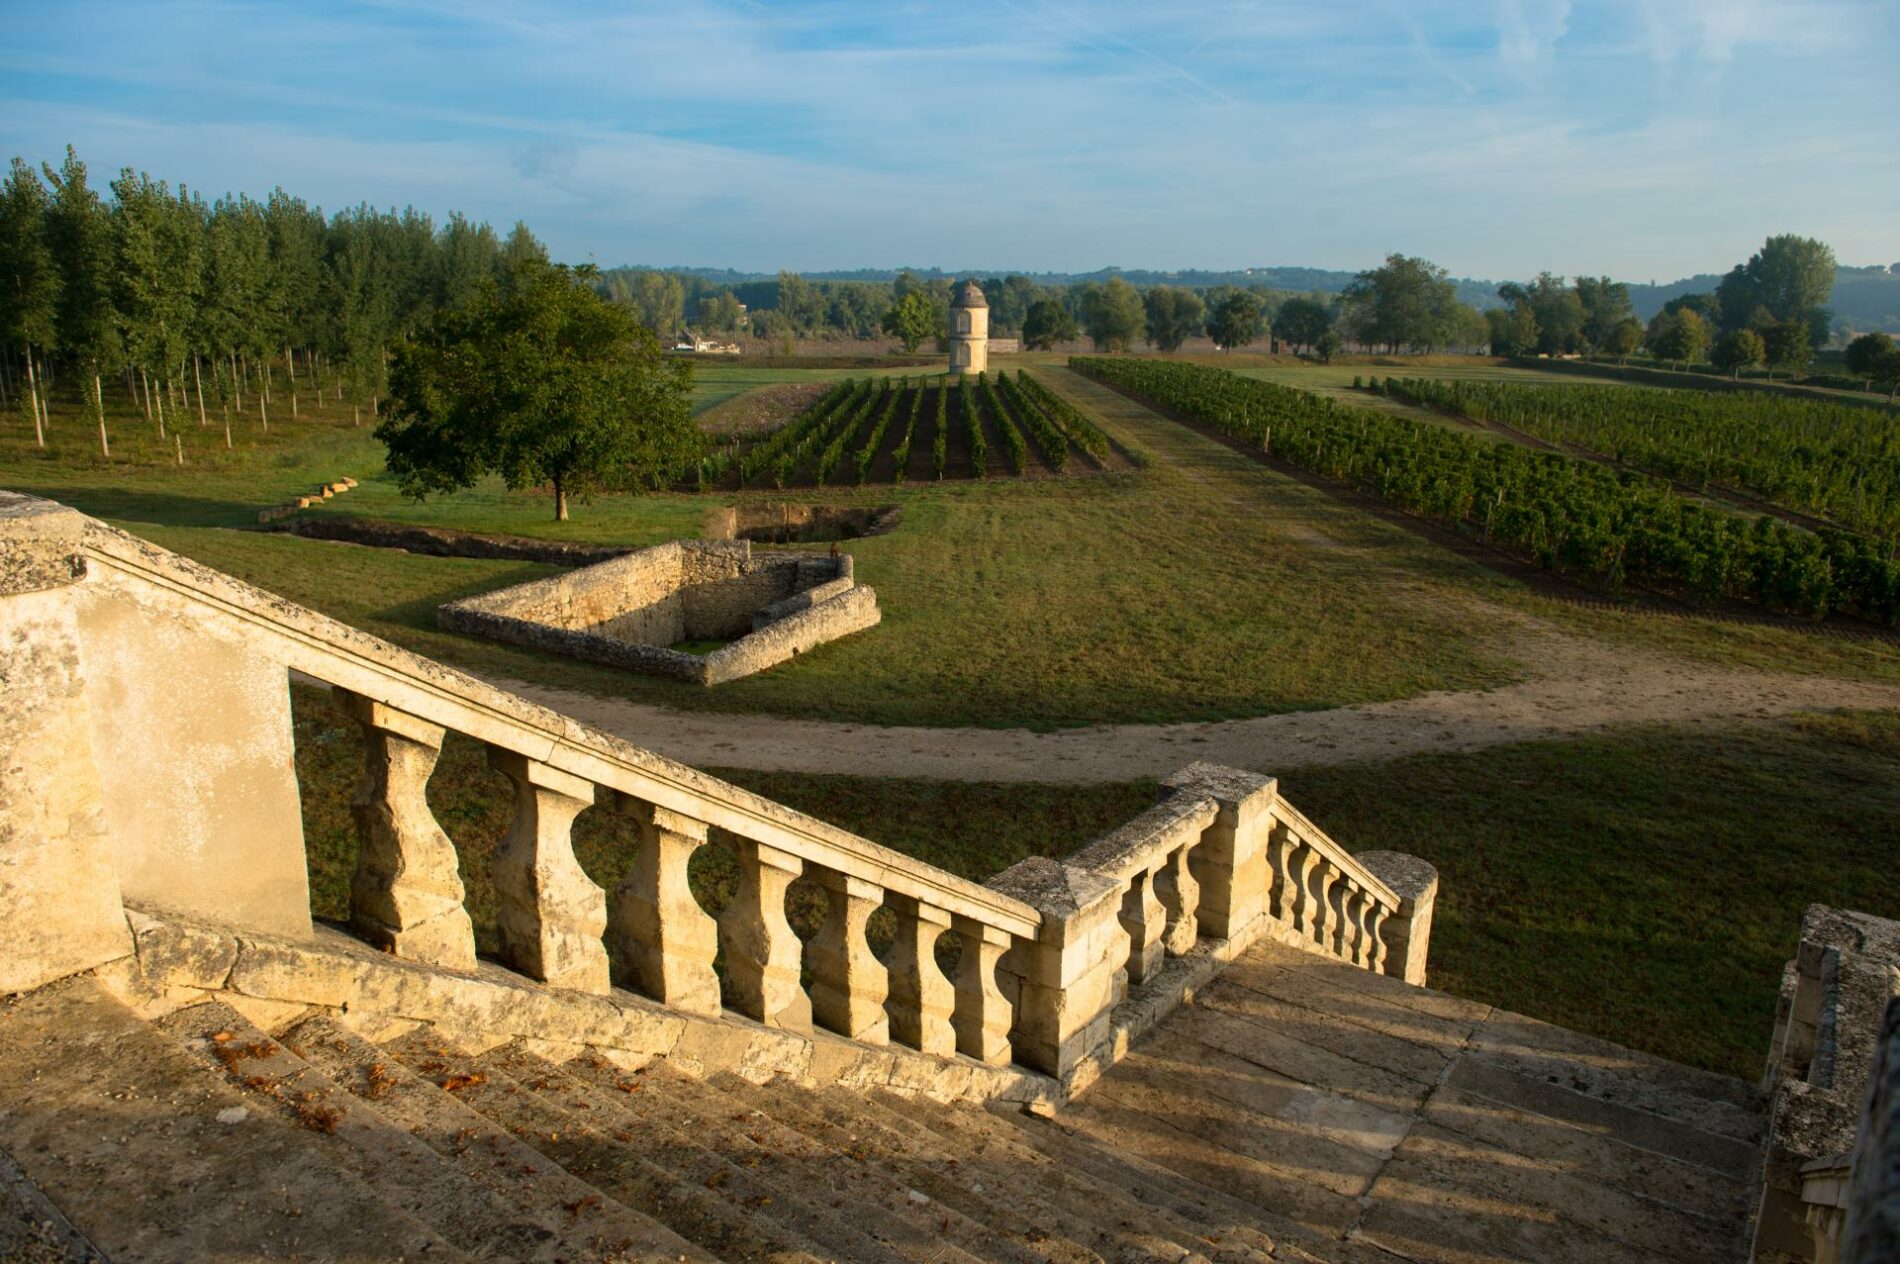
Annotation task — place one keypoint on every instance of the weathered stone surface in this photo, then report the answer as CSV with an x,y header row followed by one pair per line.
x,y
1408,933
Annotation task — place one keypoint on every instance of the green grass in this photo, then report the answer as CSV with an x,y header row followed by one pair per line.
x,y
1644,886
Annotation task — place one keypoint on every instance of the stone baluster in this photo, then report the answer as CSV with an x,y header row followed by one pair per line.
x,y
551,914
981,1014
406,893
1305,863
921,998
1144,917
1376,917
1325,874
1284,896
1180,895
762,951
659,938
1338,899
849,984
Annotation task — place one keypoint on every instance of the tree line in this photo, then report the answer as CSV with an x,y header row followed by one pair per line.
x,y
175,297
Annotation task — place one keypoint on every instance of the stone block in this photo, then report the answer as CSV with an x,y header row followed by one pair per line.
x,y
180,953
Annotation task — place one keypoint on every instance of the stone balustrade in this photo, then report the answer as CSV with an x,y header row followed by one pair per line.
x,y
1048,957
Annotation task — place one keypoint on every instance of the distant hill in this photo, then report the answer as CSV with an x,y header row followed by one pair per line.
x,y
1864,297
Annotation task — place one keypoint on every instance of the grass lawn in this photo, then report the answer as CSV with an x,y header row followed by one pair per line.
x,y
1644,886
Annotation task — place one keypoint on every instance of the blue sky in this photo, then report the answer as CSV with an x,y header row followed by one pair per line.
x,y
1645,138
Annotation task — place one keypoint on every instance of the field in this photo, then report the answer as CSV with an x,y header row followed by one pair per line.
x,y
880,431
1641,883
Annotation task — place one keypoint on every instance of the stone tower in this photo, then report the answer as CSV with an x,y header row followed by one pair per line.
x,y
969,330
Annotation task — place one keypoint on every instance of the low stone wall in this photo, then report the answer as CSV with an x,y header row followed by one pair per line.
x,y
629,610
443,542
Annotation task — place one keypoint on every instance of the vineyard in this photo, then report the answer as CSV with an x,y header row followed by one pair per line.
x,y
1836,461
1573,516
876,430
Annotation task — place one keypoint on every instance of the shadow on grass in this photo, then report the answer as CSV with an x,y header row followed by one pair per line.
x,y
129,504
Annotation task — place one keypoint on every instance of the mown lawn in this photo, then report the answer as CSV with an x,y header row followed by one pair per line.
x,y
1644,886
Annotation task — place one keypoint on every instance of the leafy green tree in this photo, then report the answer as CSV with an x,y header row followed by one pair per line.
x,y
1606,305
911,319
467,256
1047,323
521,251
1406,302
160,271
1682,336
29,279
721,312
1112,314
1625,339
1329,345
1787,346
1234,321
1737,350
1513,330
545,383
1790,278
1885,370
1171,316
79,232
1302,321
1864,352
1557,310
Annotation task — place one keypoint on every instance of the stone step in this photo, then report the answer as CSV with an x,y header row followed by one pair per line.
x,y
32,1230
1026,1230
576,1217
726,1207
156,1158
1137,1226
901,1218
403,1170
1221,1215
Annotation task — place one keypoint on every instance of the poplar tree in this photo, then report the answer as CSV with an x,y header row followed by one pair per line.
x,y
29,318
79,229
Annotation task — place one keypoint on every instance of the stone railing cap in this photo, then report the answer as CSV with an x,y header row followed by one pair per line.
x,y
1052,888
1410,876
1228,785
1131,844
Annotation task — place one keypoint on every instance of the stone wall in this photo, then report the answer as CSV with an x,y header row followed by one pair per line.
x,y
628,611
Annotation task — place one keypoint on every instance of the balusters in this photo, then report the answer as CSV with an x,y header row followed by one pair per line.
x,y
1325,874
1283,896
921,998
1144,917
849,983
659,936
1375,933
1180,895
762,952
982,1013
551,915
406,894
1305,862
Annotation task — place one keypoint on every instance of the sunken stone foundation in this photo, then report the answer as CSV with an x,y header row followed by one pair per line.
x,y
627,612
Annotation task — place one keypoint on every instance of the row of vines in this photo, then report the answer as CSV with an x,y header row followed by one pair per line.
x,y
1837,461
1570,515
858,428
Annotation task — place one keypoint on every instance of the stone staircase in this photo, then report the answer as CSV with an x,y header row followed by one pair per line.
x,y
1297,1109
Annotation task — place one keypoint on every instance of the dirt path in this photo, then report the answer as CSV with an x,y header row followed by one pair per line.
x,y
1637,691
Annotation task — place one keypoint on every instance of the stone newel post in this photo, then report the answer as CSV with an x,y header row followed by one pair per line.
x,y
1230,862
1408,936
1068,971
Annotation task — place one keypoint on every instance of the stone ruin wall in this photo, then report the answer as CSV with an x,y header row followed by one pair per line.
x,y
629,611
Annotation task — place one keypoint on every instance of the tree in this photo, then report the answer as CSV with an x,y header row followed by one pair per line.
x,y
1407,302
1864,352
911,319
1112,314
1329,345
467,257
1513,330
1790,278
1048,323
1885,370
522,251
1302,321
1172,315
29,281
1787,346
1681,335
1235,320
1557,310
720,311
1625,339
1606,305
79,231
1738,350
546,383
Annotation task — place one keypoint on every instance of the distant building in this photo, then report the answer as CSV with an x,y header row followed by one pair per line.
x,y
699,344
969,330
